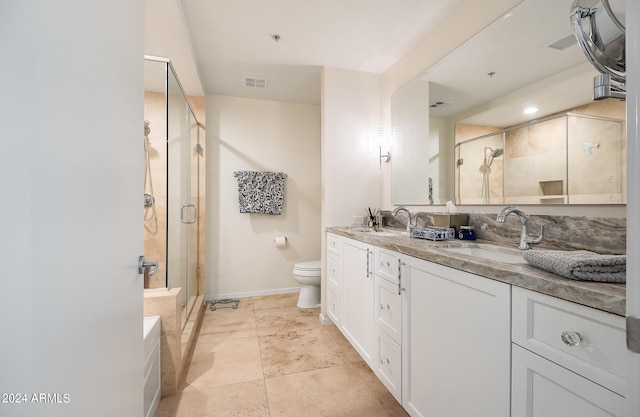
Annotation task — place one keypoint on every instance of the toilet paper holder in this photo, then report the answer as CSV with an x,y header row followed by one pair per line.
x,y
280,241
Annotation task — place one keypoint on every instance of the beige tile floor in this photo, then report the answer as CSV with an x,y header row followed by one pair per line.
x,y
269,358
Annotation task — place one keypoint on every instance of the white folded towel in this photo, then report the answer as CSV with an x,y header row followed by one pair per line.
x,y
580,265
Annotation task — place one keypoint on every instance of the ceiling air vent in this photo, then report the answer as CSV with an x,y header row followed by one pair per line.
x,y
439,104
255,82
564,42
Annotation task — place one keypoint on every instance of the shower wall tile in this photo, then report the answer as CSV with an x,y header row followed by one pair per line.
x,y
536,153
596,153
155,248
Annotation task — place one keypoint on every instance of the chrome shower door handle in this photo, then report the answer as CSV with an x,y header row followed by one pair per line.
x,y
193,219
142,265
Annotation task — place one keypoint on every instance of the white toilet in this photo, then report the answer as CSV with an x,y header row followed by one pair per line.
x,y
308,275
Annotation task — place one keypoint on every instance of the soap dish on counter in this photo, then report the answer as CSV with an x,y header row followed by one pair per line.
x,y
432,233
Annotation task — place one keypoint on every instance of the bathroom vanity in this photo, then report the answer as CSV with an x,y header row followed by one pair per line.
x,y
451,334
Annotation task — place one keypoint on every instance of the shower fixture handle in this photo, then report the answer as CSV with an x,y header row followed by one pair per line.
x,y
142,265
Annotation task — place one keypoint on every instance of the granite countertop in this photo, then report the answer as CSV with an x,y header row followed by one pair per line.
x,y
603,296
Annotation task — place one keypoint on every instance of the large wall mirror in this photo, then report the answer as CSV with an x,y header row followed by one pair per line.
x,y
462,132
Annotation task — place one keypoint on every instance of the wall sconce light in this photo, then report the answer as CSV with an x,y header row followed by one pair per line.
x,y
384,136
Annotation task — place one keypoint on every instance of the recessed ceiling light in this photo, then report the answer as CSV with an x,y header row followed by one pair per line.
x,y
530,110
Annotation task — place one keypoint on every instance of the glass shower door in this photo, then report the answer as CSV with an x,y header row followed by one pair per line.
x,y
182,213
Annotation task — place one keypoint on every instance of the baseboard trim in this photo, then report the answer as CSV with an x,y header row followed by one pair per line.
x,y
252,293
325,321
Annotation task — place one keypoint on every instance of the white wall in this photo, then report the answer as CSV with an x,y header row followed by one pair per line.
x,y
259,135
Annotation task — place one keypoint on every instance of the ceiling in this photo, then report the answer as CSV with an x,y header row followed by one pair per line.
x,y
214,44
230,40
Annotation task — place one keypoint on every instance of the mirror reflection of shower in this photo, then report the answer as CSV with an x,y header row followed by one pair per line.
x,y
486,170
588,148
149,199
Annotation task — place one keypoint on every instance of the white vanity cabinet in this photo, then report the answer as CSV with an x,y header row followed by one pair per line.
x,y
568,359
358,320
456,342
389,312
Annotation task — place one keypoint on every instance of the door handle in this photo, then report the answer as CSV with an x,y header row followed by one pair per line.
x,y
195,214
142,265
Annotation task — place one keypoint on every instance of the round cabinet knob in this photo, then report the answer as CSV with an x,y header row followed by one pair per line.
x,y
571,338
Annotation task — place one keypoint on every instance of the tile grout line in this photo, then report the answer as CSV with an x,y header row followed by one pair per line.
x,y
264,379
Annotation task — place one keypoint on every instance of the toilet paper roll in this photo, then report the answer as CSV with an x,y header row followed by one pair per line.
x,y
280,241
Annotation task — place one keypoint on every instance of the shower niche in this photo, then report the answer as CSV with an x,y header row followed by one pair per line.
x,y
566,158
174,175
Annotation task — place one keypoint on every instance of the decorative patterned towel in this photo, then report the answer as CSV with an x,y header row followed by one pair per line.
x,y
260,192
580,265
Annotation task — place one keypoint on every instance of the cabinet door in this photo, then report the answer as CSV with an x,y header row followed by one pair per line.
x,y
457,348
358,320
543,389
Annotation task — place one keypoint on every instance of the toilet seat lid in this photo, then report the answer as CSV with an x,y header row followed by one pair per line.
x,y
307,266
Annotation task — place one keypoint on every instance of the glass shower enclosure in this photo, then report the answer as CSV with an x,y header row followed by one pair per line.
x,y
565,158
174,140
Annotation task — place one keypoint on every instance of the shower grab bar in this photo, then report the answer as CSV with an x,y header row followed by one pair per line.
x,y
195,214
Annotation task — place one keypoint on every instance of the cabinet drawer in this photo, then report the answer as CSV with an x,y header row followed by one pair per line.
x,y
334,305
388,309
543,389
599,354
389,365
334,244
386,265
334,270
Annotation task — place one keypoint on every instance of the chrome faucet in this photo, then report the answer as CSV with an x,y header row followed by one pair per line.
x,y
525,239
398,209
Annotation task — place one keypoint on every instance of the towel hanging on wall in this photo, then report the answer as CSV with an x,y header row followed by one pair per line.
x,y
260,192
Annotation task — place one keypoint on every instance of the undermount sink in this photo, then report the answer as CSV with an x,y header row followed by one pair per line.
x,y
489,252
373,232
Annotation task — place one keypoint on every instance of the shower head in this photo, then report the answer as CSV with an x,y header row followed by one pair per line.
x,y
494,154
